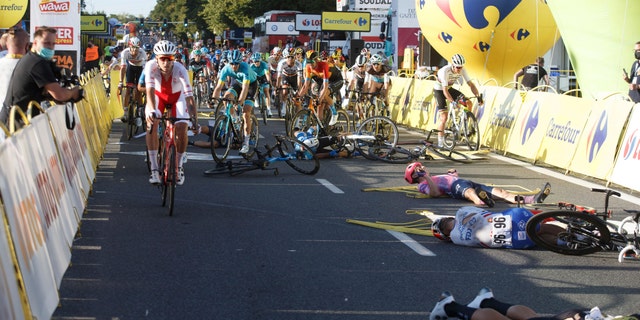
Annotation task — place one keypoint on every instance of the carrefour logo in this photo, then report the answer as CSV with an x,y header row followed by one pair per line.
x,y
630,147
597,136
563,132
360,21
54,6
529,123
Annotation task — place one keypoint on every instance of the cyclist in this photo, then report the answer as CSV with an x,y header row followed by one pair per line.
x,y
289,75
444,92
243,89
274,59
167,83
357,83
378,75
299,55
132,60
329,82
263,75
215,63
450,184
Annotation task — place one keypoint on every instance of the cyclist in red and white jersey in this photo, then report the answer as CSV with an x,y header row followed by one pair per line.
x,y
167,84
132,61
447,77
329,83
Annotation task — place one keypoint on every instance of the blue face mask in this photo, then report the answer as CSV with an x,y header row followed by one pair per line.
x,y
46,53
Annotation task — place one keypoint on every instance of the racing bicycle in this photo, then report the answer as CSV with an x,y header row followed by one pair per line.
x,y
579,230
295,153
261,101
307,118
228,130
462,126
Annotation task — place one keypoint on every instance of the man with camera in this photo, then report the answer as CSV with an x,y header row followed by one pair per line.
x,y
34,77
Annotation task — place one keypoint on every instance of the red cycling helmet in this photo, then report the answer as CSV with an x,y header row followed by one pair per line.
x,y
408,172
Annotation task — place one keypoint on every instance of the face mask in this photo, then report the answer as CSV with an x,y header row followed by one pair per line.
x,y
637,55
46,53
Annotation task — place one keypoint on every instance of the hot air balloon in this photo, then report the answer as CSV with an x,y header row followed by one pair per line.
x,y
496,37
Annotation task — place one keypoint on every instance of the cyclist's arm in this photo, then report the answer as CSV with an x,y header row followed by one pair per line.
x,y
475,91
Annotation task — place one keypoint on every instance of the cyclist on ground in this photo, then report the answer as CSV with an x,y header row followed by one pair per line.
x,y
378,75
447,77
452,185
289,75
243,89
329,82
132,60
263,75
167,83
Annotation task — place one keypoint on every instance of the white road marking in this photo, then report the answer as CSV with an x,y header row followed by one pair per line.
x,y
329,186
414,245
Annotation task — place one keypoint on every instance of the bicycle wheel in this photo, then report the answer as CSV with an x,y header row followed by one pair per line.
x,y
450,135
342,126
263,106
171,178
450,154
470,131
568,232
303,120
384,133
223,134
290,111
161,170
299,157
391,154
131,119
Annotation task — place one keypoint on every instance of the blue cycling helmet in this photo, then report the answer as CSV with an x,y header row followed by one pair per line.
x,y
256,57
205,50
218,51
235,56
147,47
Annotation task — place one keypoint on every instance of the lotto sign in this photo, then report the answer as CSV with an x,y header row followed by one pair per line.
x,y
308,22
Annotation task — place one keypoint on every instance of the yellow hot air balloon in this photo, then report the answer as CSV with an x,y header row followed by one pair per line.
x,y
12,11
496,37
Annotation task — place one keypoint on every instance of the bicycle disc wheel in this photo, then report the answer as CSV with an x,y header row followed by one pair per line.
x,y
171,178
299,157
222,134
568,232
303,120
470,131
384,133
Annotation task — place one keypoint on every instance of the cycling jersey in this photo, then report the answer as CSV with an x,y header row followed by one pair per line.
x,y
260,69
242,76
477,227
379,76
197,66
127,58
451,185
290,72
273,62
446,77
173,90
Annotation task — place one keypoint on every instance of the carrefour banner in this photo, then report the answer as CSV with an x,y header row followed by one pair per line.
x,y
626,166
346,21
64,16
496,124
596,149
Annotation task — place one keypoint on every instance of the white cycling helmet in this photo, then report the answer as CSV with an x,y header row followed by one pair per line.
x,y
361,60
376,58
457,60
134,42
164,47
276,50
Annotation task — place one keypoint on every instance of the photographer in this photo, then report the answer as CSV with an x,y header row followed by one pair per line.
x,y
34,78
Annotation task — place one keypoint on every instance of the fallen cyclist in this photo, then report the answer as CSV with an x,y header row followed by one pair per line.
x,y
452,185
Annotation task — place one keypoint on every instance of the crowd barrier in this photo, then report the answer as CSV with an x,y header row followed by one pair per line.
x,y
47,173
596,138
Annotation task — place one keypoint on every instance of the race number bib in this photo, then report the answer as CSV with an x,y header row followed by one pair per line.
x,y
500,230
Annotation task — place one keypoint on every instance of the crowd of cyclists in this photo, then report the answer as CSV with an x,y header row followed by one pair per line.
x,y
237,74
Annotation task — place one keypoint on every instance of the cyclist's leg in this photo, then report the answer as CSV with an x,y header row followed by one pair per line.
x,y
152,147
441,107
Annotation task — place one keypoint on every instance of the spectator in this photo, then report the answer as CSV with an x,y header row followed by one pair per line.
x,y
16,45
34,77
634,81
532,74
3,44
91,57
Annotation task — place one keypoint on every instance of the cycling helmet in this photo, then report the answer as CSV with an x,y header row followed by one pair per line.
x,y
235,56
205,50
286,53
312,56
408,172
218,52
361,60
134,42
457,60
276,50
337,54
197,52
436,228
299,51
324,55
364,51
256,57
375,59
164,47
147,47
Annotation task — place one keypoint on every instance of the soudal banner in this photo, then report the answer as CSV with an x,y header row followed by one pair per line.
x,y
64,16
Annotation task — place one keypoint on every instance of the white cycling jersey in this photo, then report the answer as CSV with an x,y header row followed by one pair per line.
x,y
287,70
447,78
174,90
126,57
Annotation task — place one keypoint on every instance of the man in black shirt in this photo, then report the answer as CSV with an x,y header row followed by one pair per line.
x,y
34,78
532,74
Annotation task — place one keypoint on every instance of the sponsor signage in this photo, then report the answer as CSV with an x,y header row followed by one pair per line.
x,y
281,28
12,12
358,21
66,59
308,22
64,16
96,23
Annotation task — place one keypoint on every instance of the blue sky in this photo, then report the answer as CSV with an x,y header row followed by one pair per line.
x,y
134,7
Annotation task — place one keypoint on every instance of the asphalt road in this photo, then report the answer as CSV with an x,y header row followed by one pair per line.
x,y
261,246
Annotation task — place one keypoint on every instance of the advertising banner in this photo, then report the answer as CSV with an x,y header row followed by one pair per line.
x,y
624,171
308,22
64,16
12,12
93,23
346,21
281,28
10,306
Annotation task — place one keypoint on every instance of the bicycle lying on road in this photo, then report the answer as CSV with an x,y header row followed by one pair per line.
x,y
295,153
582,230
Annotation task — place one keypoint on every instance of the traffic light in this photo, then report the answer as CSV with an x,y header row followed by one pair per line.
x,y
141,22
164,22
186,22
